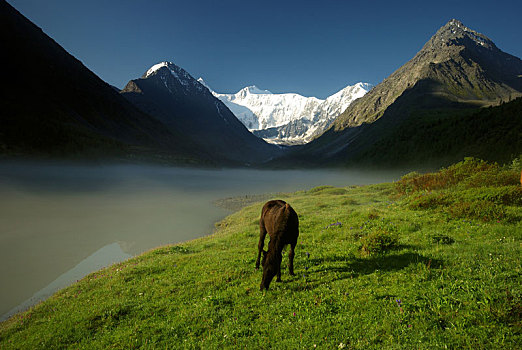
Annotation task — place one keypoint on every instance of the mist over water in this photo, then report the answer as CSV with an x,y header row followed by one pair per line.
x,y
60,222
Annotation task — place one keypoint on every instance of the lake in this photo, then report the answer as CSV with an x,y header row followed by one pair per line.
x,y
60,222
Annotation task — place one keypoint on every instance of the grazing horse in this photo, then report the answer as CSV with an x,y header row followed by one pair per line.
x,y
280,221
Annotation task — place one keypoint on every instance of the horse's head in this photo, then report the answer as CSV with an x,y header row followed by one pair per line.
x,y
271,267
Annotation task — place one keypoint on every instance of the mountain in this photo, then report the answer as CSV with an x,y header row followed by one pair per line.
x,y
183,104
53,106
287,118
457,70
456,66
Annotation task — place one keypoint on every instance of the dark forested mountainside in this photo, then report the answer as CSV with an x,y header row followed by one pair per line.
x,y
457,71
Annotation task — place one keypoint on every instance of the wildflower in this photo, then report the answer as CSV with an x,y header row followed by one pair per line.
x,y
341,345
294,313
306,267
307,254
338,223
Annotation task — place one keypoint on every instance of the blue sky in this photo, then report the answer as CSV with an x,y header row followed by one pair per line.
x,y
314,48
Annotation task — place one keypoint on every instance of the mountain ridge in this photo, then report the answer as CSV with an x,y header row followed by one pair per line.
x,y
449,56
53,106
288,118
174,97
457,69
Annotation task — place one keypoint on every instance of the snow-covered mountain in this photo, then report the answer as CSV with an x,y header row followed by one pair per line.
x,y
188,109
287,118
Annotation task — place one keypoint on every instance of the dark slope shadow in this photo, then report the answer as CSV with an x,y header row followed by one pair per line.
x,y
345,267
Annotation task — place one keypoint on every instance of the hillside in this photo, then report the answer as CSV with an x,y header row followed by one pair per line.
x,y
53,106
457,66
170,94
442,136
432,261
458,69
430,138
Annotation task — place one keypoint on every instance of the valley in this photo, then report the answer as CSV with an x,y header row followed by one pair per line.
x,y
130,217
429,261
56,217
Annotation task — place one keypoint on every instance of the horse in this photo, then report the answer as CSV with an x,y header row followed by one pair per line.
x,y
280,221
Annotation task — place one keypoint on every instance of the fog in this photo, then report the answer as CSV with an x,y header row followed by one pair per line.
x,y
60,222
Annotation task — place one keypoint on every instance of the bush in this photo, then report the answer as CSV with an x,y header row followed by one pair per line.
x,y
379,241
505,195
480,209
492,177
442,239
516,164
429,201
373,214
445,178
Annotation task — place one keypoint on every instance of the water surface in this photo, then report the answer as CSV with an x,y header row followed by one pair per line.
x,y
60,222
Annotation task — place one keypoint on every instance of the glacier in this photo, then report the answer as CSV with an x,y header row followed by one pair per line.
x,y
288,118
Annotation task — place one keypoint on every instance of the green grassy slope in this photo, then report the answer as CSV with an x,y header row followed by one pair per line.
x,y
428,262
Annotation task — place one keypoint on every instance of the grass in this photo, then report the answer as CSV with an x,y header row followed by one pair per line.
x,y
434,278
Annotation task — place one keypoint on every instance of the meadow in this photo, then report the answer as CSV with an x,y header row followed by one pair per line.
x,y
431,261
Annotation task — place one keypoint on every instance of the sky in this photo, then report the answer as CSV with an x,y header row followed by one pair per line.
x,y
313,48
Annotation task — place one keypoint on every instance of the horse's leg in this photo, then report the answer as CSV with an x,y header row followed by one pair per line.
x,y
262,234
279,273
291,259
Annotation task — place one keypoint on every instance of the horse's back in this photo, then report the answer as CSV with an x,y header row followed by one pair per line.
x,y
277,216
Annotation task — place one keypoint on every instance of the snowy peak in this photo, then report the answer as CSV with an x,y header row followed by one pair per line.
x,y
172,75
253,90
156,67
352,91
171,67
204,83
183,77
338,102
288,118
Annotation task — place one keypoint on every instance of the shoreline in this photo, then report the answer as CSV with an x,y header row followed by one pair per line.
x,y
232,204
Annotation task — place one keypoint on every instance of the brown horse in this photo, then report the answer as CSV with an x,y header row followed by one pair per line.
x,y
280,221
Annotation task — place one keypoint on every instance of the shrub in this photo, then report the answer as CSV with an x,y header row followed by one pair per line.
x,y
373,214
506,195
442,239
470,166
428,201
415,182
379,241
516,164
480,209
445,178
492,177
